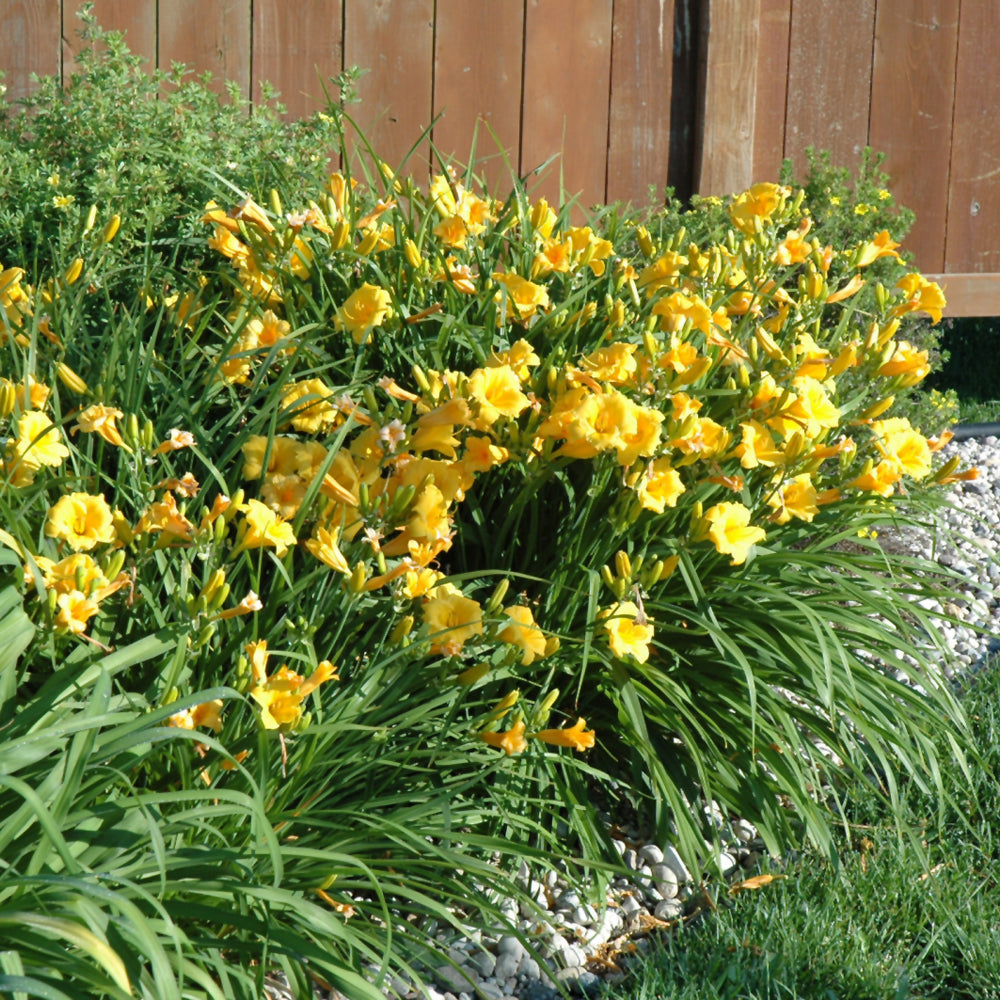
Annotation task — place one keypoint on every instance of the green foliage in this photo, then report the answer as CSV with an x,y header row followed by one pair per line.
x,y
149,146
905,917
313,510
854,203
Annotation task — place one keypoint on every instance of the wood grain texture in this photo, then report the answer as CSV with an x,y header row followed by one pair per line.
x,y
969,294
136,18
297,48
478,59
642,53
726,146
30,43
210,36
829,79
395,42
973,235
913,91
567,73
772,88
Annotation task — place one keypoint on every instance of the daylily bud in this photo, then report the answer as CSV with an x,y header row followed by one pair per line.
x,y
541,714
505,704
645,241
947,469
275,200
213,585
420,377
356,581
495,602
70,379
470,675
623,565
91,219
111,229
401,629
878,408
113,566
341,235
73,271
412,254
8,398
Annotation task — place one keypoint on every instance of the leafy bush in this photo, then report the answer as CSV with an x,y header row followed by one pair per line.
x,y
320,553
153,145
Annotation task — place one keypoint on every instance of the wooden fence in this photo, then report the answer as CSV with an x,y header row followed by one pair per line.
x,y
627,95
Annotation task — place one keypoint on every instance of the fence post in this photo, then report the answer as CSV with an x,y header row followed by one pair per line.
x,y
725,132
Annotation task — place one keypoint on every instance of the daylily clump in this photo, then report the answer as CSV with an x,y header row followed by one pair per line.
x,y
712,395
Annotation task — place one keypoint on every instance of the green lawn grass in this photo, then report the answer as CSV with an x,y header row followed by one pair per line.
x,y
909,913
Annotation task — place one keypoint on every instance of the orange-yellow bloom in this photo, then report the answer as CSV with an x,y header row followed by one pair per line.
x,y
523,633
265,528
920,295
730,531
628,630
497,390
452,619
281,694
511,741
760,201
523,297
366,308
81,520
576,737
99,419
206,714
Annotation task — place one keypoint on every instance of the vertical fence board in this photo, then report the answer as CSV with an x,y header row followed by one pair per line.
x,y
136,18
31,44
913,80
642,53
395,43
478,54
772,88
567,73
974,199
297,48
209,36
829,79
725,152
